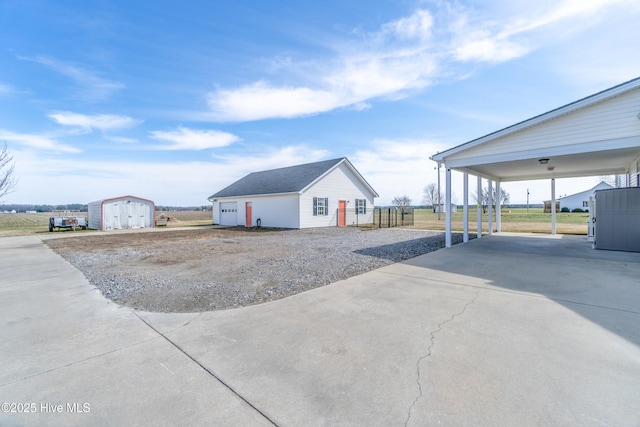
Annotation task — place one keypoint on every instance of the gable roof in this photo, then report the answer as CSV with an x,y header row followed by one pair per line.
x,y
292,179
585,194
549,115
596,135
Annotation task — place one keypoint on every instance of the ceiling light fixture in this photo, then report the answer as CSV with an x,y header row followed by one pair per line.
x,y
543,161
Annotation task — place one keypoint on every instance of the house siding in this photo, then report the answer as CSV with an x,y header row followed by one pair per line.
x,y
577,200
339,184
278,211
607,120
634,171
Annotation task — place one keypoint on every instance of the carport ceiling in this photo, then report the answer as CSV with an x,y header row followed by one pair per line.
x,y
608,162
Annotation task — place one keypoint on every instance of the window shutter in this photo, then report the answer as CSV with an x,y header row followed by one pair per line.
x,y
356,206
315,206
326,206
365,206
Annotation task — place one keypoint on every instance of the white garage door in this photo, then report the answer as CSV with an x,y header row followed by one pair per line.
x,y
229,213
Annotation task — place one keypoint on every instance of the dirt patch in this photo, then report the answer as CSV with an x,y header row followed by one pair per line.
x,y
211,269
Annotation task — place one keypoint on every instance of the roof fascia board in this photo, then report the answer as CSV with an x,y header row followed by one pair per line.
x,y
292,193
550,115
589,147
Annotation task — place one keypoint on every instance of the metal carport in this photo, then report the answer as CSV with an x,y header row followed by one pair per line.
x,y
596,135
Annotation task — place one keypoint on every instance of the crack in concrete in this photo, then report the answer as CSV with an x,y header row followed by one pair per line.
x,y
428,354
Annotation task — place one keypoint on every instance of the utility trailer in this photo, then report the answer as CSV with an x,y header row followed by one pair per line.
x,y
71,222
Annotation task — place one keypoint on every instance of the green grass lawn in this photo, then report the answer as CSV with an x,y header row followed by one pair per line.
x,y
514,220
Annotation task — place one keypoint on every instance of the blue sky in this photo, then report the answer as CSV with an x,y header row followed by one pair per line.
x,y
173,101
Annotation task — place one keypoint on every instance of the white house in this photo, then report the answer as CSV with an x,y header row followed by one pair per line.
x,y
121,212
576,201
320,194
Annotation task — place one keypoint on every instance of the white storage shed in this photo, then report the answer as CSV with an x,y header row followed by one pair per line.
x,y
121,212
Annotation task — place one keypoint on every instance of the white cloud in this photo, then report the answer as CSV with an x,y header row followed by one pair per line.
x,y
38,142
478,38
415,26
97,121
398,167
404,55
4,89
46,179
261,100
94,87
122,140
193,139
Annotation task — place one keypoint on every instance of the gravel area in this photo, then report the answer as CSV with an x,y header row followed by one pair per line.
x,y
212,269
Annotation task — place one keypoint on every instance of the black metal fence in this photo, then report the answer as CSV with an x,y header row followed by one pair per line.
x,y
392,217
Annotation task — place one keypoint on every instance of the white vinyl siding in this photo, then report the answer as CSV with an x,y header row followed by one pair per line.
x,y
279,211
634,173
605,121
339,184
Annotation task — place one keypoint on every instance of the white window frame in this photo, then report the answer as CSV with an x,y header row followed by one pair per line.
x,y
320,206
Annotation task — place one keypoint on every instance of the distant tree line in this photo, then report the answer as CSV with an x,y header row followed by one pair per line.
x,y
183,208
44,208
83,208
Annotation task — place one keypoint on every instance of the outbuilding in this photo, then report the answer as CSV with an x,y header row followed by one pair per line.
x,y
121,212
576,201
320,194
596,135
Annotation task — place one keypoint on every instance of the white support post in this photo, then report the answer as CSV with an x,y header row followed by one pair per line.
x,y
465,208
479,213
553,206
490,207
447,237
498,207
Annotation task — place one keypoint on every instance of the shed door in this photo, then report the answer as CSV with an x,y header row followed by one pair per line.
x,y
229,213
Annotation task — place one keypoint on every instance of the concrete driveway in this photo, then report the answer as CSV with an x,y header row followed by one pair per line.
x,y
505,330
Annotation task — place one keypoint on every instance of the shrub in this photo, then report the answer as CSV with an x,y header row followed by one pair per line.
x,y
565,209
578,210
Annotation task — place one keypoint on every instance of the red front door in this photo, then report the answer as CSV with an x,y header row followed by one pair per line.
x,y
342,213
247,209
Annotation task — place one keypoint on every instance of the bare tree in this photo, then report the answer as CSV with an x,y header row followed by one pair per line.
x,y
401,201
431,196
504,198
7,180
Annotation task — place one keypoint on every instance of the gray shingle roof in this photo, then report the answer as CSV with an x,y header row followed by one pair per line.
x,y
291,179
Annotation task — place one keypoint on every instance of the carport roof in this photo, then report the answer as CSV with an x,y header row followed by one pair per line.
x,y
596,135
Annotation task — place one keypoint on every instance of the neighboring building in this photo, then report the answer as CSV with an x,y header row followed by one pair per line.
x,y
321,194
121,212
576,201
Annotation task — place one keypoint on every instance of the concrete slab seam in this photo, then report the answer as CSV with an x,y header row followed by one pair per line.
x,y
207,370
428,354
